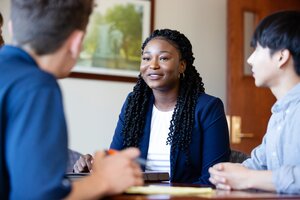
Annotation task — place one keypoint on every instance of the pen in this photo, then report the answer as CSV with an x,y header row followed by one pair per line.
x,y
140,161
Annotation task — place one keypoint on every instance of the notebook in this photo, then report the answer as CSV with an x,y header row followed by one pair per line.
x,y
76,176
159,189
148,176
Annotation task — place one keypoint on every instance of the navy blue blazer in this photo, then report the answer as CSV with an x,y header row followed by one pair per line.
x,y
209,145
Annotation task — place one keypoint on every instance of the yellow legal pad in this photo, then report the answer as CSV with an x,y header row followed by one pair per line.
x,y
156,189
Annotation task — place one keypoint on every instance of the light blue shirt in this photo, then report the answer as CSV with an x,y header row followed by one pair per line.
x,y
280,148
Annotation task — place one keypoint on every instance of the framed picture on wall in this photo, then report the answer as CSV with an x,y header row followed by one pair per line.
x,y
111,48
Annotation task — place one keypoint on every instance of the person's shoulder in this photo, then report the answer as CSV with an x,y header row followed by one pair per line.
x,y
31,81
209,107
20,70
129,94
205,98
44,77
207,103
37,78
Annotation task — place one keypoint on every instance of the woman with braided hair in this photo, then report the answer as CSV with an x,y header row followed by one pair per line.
x,y
177,127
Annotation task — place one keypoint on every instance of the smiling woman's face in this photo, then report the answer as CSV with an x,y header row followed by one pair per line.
x,y
161,65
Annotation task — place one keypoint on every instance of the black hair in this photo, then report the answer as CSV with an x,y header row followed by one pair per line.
x,y
1,24
278,31
191,86
1,19
44,25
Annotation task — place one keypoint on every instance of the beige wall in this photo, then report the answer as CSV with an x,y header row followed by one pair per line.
x,y
4,9
92,107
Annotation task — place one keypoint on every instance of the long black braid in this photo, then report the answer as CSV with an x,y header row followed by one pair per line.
x,y
191,86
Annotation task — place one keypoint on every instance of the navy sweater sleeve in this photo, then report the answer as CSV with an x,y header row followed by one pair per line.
x,y
36,149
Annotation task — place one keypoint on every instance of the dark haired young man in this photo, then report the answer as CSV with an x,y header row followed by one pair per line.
x,y
275,164
47,37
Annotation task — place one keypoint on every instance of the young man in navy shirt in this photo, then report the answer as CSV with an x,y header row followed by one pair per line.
x,y
47,38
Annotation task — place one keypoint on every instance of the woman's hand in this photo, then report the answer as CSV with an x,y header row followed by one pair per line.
x,y
83,164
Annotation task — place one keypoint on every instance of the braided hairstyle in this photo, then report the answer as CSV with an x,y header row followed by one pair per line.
x,y
191,86
1,24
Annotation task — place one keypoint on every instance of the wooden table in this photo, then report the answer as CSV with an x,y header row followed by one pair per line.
x,y
217,194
